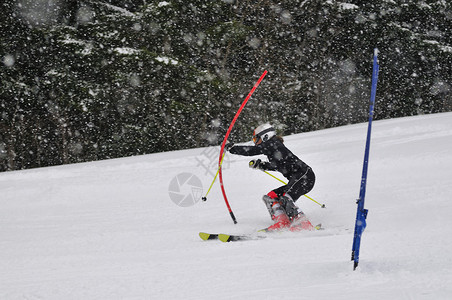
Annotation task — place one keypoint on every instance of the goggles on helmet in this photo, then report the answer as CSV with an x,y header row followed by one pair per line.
x,y
256,139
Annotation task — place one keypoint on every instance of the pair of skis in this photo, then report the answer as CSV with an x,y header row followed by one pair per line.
x,y
226,238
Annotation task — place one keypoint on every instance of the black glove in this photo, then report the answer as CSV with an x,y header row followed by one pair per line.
x,y
256,164
228,146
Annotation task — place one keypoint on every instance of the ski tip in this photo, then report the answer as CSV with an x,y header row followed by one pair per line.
x,y
208,236
204,236
224,238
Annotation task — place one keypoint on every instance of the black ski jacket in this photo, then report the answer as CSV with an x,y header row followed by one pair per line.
x,y
279,157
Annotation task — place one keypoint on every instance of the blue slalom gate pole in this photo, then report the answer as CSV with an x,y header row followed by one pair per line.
x,y
361,214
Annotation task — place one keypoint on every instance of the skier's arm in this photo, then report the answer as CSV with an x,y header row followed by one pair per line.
x,y
267,166
262,165
245,150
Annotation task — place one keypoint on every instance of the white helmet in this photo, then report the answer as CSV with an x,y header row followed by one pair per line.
x,y
264,132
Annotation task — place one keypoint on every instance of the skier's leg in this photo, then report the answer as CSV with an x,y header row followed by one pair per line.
x,y
298,188
301,185
280,203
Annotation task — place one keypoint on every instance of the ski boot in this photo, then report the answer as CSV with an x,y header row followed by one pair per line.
x,y
298,220
268,203
280,218
277,213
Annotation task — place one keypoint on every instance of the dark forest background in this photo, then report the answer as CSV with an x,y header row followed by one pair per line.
x,y
90,80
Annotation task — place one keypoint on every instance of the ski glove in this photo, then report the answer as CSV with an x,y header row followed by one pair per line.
x,y
256,164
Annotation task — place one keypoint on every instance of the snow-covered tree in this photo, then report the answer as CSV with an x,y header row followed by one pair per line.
x,y
88,80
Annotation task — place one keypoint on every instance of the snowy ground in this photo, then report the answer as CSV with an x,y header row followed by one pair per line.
x,y
109,230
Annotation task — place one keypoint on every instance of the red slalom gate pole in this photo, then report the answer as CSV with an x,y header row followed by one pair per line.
x,y
226,138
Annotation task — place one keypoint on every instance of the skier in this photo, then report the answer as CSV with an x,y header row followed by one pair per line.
x,y
280,201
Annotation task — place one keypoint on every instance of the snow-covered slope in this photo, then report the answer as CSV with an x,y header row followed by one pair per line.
x,y
109,229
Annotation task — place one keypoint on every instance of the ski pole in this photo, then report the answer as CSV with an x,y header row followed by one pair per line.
x,y
215,178
282,181
321,205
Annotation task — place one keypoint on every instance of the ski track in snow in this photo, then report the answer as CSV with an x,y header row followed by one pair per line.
x,y
108,229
